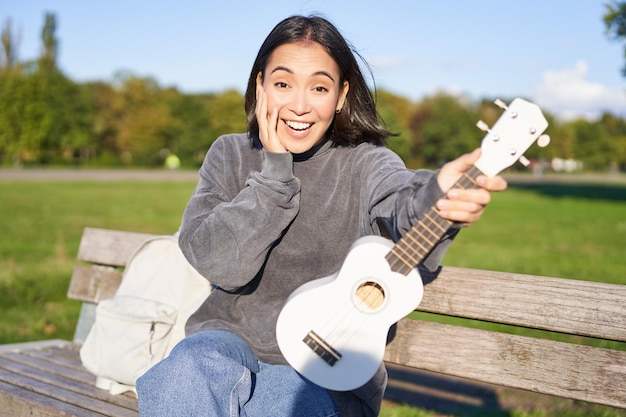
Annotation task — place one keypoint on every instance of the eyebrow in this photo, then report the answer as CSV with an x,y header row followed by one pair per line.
x,y
322,73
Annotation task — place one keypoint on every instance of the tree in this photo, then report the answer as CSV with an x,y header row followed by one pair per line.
x,y
48,59
442,128
9,46
44,116
227,114
616,130
145,121
615,23
192,134
591,143
106,107
395,112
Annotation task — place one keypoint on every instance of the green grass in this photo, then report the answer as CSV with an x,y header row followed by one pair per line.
x,y
562,230
41,224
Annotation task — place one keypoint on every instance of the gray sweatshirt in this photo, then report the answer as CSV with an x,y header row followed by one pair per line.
x,y
261,224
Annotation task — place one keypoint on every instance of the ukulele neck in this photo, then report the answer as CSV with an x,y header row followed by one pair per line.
x,y
417,243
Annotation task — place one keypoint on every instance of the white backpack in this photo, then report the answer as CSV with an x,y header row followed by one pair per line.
x,y
146,318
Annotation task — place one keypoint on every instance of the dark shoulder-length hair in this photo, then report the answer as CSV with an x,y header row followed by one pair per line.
x,y
358,120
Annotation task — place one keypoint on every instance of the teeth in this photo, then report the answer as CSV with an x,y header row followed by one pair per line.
x,y
298,125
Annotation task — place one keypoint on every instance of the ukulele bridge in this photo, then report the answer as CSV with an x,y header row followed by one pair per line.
x,y
322,348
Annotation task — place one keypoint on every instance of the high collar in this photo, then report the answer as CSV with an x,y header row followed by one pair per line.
x,y
318,149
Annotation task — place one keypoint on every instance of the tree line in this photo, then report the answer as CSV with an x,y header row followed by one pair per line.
x,y
48,119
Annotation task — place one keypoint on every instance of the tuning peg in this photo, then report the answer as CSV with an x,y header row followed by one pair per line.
x,y
524,161
500,104
482,126
503,106
543,141
485,128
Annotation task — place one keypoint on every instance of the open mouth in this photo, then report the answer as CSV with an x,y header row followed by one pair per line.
x,y
298,126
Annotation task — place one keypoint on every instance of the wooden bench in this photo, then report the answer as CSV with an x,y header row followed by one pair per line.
x,y
47,379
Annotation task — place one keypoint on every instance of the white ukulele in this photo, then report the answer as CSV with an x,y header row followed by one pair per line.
x,y
333,330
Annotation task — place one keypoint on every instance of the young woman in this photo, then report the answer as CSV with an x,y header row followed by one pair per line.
x,y
280,206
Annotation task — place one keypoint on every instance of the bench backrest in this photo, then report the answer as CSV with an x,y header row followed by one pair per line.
x,y
579,308
571,370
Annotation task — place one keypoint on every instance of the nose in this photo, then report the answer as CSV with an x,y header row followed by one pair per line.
x,y
300,103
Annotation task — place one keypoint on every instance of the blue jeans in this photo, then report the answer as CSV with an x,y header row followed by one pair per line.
x,y
214,373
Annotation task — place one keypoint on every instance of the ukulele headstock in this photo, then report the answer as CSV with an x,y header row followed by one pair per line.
x,y
521,124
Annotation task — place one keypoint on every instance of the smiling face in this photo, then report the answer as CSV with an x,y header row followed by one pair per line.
x,y
302,82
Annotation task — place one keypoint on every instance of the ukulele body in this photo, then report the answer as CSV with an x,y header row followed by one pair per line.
x,y
333,330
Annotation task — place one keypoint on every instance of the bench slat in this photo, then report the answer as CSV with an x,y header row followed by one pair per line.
x,y
562,369
95,283
575,307
109,247
56,393
16,401
66,382
53,375
35,364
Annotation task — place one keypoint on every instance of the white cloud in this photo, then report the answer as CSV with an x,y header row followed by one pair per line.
x,y
568,94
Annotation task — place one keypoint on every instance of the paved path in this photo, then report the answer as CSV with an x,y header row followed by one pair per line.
x,y
64,174
79,174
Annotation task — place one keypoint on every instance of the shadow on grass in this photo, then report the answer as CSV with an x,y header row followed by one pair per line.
x,y
451,396
611,192
441,394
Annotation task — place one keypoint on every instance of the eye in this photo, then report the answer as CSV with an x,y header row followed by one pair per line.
x,y
281,84
320,89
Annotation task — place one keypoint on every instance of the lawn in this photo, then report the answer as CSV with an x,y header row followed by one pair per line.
x,y
574,230
562,230
41,224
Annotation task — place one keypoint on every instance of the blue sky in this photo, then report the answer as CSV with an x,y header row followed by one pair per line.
x,y
553,52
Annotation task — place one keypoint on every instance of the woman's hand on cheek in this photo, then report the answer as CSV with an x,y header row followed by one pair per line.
x,y
268,123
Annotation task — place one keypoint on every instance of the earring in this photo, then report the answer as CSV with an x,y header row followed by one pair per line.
x,y
337,111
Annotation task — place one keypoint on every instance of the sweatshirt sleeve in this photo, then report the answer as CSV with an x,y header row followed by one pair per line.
x,y
411,203
227,230
399,197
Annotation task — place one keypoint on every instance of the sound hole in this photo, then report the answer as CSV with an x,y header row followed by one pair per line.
x,y
370,296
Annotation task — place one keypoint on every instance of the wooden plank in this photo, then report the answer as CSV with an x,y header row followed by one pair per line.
x,y
572,371
66,381
68,356
49,376
109,247
95,283
562,305
40,344
75,373
16,401
54,395
70,350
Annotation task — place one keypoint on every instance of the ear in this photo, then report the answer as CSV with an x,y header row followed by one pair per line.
x,y
259,78
342,96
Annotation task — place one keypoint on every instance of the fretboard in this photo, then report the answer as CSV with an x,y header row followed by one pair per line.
x,y
417,243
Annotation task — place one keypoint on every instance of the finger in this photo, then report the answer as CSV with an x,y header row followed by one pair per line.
x,y
452,171
261,108
272,138
496,183
460,211
477,196
464,162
